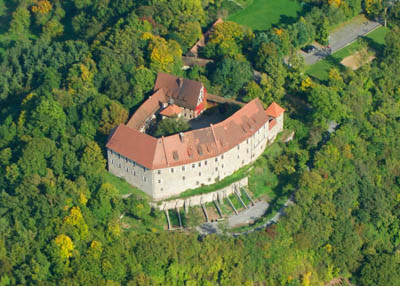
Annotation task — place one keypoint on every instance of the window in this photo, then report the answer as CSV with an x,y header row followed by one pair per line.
x,y
112,161
199,173
238,156
193,166
162,189
247,151
183,178
222,165
216,159
205,163
183,168
134,173
197,182
133,164
216,168
247,141
199,164
159,181
222,157
238,147
127,169
209,179
159,172
144,179
242,162
119,165
172,170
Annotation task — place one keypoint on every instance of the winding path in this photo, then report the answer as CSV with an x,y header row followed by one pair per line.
x,y
213,227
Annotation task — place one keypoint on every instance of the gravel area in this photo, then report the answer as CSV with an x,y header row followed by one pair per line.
x,y
249,215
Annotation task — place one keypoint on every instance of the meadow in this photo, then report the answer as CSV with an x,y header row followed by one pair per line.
x,y
263,14
374,40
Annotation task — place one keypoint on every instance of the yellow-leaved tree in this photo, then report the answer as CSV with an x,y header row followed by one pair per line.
x,y
64,246
164,55
75,218
42,7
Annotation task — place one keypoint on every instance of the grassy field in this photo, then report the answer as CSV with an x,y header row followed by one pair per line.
x,y
262,14
375,41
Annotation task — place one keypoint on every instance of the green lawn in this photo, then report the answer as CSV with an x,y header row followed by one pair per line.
x,y
375,41
123,186
262,14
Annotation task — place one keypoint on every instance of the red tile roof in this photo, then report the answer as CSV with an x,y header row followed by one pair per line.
x,y
185,92
204,38
171,110
148,108
143,149
274,110
190,146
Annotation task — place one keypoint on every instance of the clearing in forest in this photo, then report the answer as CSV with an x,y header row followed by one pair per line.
x,y
262,14
375,42
356,60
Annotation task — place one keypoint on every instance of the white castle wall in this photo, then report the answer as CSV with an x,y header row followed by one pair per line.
x,y
133,173
201,199
164,183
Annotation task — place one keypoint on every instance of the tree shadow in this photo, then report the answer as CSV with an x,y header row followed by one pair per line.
x,y
377,47
5,19
288,20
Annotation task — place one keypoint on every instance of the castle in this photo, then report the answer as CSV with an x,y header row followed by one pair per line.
x,y
167,166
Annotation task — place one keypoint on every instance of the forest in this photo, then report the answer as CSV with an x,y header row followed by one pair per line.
x,y
72,70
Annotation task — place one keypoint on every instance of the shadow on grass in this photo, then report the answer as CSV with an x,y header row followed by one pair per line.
x,y
377,47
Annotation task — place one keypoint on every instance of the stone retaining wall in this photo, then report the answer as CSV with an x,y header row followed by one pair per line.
x,y
201,199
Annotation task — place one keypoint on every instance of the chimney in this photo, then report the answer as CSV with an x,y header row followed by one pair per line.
x,y
181,136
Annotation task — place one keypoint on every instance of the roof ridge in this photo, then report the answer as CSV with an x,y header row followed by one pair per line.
x,y
215,137
165,152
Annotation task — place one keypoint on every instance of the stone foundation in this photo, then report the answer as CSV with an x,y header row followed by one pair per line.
x,y
197,200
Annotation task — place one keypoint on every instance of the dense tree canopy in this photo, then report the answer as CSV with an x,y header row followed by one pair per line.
x,y
73,70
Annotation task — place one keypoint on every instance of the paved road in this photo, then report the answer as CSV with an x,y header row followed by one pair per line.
x,y
275,219
341,38
251,214
213,228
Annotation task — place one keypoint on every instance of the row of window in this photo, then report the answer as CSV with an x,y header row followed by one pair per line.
x,y
172,170
127,161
